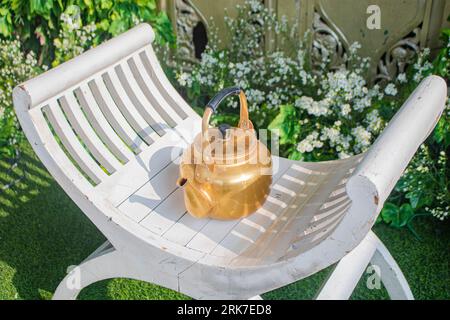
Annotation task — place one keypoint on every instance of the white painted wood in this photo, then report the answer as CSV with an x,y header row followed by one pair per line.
x,y
145,165
71,143
115,117
139,100
392,277
106,264
346,275
54,81
317,214
101,125
348,271
163,85
115,94
391,152
146,83
151,194
83,129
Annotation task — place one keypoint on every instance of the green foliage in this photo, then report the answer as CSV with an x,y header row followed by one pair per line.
x,y
397,216
286,124
425,185
15,67
38,23
39,33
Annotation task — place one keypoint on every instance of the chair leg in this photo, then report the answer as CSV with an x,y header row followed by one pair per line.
x,y
392,277
99,266
349,270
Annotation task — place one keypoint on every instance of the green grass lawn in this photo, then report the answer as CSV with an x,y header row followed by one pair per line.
x,y
42,232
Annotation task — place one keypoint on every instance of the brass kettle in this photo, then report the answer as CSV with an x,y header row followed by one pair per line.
x,y
226,172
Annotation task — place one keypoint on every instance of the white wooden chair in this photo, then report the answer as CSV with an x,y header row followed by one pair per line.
x,y
109,127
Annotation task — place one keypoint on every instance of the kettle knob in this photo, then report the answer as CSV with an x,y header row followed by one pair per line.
x,y
223,129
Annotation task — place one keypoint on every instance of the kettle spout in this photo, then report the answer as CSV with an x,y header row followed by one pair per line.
x,y
181,181
197,200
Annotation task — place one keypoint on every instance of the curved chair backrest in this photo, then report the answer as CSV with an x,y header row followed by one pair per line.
x,y
89,116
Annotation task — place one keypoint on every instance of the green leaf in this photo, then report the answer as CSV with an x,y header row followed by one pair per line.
x,y
405,214
42,7
395,216
5,27
389,212
295,155
442,132
106,4
117,27
446,32
103,25
414,199
286,125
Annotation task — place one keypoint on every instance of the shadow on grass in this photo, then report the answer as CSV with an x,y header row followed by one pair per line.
x,y
42,232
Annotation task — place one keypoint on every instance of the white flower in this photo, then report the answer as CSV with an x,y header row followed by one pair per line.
x,y
402,78
315,108
390,89
310,143
374,121
184,79
362,138
354,47
346,109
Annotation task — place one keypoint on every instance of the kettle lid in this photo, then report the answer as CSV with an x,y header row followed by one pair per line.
x,y
226,144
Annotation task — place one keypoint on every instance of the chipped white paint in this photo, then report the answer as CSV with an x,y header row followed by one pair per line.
x,y
109,127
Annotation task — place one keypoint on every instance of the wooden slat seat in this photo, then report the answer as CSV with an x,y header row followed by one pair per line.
x,y
159,208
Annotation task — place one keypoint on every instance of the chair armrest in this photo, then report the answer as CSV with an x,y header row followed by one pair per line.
x,y
390,154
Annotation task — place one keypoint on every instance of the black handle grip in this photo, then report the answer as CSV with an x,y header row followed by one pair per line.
x,y
218,98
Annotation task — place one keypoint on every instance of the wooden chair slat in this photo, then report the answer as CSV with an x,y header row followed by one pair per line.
x,y
84,130
144,166
101,125
115,117
163,85
148,87
68,168
166,214
141,103
72,144
131,114
150,195
185,229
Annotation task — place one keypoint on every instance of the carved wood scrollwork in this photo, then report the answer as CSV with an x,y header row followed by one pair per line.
x,y
398,57
326,44
189,22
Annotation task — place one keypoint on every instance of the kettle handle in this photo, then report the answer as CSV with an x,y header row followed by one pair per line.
x,y
211,107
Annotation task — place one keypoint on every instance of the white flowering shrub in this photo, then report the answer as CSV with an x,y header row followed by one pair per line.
x,y
423,182
322,112
426,182
15,67
73,38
